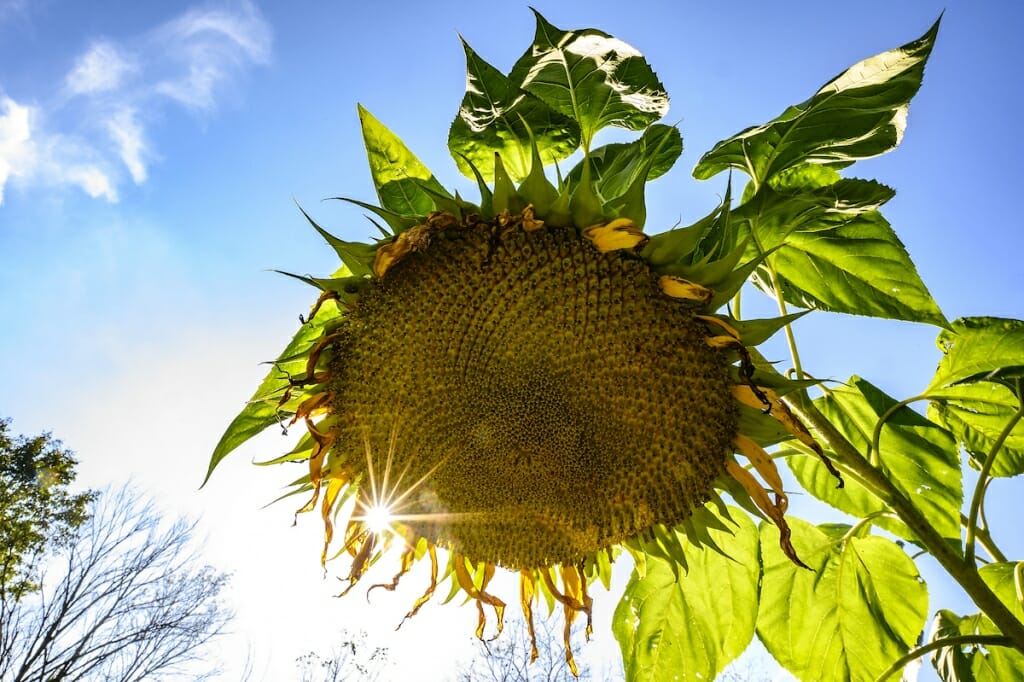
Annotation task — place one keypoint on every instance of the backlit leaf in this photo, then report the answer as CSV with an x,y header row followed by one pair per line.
x,y
398,175
496,116
690,628
976,414
853,498
591,77
860,113
980,349
988,663
918,456
860,607
952,663
849,264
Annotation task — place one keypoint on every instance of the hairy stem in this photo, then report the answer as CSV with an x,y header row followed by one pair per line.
x,y
965,573
959,640
979,488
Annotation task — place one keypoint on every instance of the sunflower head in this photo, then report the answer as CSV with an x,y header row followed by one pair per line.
x,y
530,381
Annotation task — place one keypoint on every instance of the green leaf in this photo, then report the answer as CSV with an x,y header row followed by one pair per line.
x,y
848,264
860,113
1000,579
591,77
262,410
987,663
398,175
860,607
976,414
496,116
980,349
919,457
617,166
952,663
853,498
690,628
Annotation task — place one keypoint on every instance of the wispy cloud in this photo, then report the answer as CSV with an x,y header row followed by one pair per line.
x,y
127,134
94,135
101,69
209,46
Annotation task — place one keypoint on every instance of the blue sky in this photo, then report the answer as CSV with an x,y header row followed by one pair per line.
x,y
150,154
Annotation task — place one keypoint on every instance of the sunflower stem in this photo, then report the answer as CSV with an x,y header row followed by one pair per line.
x,y
965,573
979,487
959,640
790,338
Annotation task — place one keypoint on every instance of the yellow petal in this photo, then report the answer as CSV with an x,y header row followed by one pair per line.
x,y
432,552
408,558
773,511
530,223
480,595
769,401
621,233
677,287
413,239
764,466
527,590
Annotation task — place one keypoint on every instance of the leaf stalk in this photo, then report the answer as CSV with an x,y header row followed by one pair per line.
x,y
899,664
979,487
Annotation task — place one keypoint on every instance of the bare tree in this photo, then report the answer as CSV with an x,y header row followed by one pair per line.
x,y
127,600
352,659
507,657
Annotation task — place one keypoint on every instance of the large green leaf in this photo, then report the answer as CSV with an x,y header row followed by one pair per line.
x,y
399,177
769,215
690,628
860,607
847,263
980,349
830,247
977,414
918,456
591,77
860,113
989,663
853,498
496,116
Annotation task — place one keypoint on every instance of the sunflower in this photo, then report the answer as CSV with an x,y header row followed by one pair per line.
x,y
527,382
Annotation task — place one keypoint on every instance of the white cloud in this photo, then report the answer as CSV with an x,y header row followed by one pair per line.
x,y
95,182
31,155
16,154
101,69
96,132
208,46
126,132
